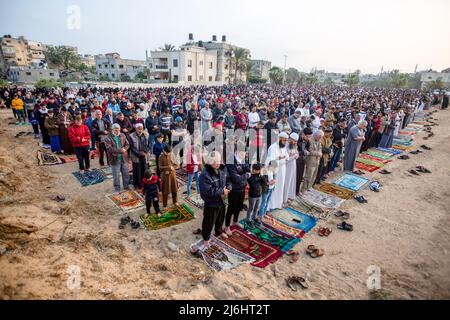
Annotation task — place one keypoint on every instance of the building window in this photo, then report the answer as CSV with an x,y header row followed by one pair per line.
x,y
210,65
151,65
112,66
28,73
100,74
210,78
189,78
106,66
189,63
201,62
175,63
18,59
113,75
99,66
226,67
52,74
120,66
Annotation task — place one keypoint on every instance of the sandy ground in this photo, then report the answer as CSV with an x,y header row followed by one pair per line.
x,y
404,230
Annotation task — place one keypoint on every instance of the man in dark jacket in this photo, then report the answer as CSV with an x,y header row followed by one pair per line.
x,y
214,187
101,128
303,150
153,125
192,117
238,173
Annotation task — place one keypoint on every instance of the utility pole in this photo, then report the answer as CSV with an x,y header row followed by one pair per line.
x,y
284,77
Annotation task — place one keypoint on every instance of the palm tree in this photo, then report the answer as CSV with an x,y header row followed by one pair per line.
x,y
352,79
398,80
276,75
167,47
311,78
435,84
239,60
248,69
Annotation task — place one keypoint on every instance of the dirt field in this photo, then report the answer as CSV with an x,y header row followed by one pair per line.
x,y
404,230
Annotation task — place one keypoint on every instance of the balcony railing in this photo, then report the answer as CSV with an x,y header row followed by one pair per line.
x,y
161,66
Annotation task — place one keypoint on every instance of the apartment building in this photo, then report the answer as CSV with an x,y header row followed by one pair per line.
x,y
261,68
30,75
427,77
20,52
114,67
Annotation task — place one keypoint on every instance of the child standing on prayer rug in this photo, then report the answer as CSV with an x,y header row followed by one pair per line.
x,y
151,185
256,183
267,188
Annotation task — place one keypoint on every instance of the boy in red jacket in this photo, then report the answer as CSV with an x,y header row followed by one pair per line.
x,y
80,137
151,185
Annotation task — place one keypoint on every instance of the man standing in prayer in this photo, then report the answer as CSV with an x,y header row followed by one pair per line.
x,y
303,151
139,150
291,168
117,146
278,152
312,161
353,144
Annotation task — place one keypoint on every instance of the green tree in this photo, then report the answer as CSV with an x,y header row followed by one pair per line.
x,y
292,76
103,78
239,60
353,79
435,84
397,79
3,83
125,78
256,80
328,82
48,83
167,47
276,75
63,57
248,70
312,79
140,76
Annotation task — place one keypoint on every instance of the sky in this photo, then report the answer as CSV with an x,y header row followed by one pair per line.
x,y
337,36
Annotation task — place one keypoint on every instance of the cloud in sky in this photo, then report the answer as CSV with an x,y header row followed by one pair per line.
x,y
340,36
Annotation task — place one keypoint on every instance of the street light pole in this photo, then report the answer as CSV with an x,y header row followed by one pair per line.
x,y
284,76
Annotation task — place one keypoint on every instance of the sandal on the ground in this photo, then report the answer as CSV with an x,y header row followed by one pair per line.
x,y
403,157
124,221
311,248
360,199
414,172
290,282
135,224
375,186
196,253
294,258
425,147
384,171
423,169
345,226
317,253
301,281
291,253
324,231
342,214
198,231
415,152
358,172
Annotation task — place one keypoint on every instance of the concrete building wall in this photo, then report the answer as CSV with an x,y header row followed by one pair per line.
x,y
427,77
114,67
31,75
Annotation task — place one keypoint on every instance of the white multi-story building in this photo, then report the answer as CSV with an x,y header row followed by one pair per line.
x,y
195,62
188,64
114,67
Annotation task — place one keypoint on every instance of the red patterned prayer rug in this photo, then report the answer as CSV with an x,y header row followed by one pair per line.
x,y
365,167
262,252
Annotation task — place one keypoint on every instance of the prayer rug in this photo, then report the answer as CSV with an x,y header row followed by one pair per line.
x,y
351,181
275,224
387,150
282,241
107,172
369,157
47,159
89,178
69,158
172,216
403,148
294,219
310,209
262,252
334,190
220,256
321,199
405,133
365,167
402,143
379,154
127,200
196,200
370,162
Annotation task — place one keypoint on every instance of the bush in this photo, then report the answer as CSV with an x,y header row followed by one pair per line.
x,y
3,83
256,80
48,83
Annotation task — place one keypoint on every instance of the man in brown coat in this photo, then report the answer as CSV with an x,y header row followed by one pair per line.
x,y
168,176
117,146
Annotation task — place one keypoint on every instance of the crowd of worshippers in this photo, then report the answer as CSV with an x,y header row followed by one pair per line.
x,y
300,134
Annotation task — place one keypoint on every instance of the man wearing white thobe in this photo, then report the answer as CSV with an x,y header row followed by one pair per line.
x,y
278,152
291,168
